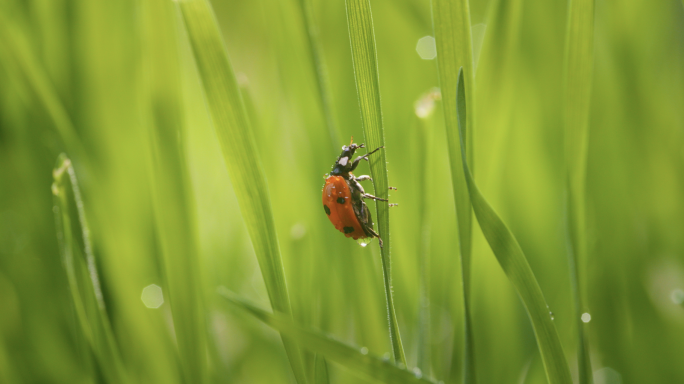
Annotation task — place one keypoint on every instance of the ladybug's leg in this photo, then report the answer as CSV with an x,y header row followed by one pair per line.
x,y
369,196
364,157
363,178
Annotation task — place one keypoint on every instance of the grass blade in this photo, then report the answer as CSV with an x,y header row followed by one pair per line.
x,y
451,23
320,370
364,57
579,62
239,151
514,263
315,51
355,359
15,42
82,274
170,186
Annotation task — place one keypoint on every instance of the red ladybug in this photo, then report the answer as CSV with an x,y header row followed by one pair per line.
x,y
343,196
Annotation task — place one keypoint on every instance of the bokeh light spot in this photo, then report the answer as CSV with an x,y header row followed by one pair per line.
x,y
426,48
152,296
586,317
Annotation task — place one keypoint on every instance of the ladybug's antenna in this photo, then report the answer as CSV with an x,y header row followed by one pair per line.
x,y
352,141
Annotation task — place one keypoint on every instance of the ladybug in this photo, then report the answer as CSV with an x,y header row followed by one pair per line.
x,y
343,196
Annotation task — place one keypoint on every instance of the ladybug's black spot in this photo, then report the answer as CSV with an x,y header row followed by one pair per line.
x,y
340,200
348,229
327,210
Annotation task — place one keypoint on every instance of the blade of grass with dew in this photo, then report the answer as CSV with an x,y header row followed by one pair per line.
x,y
239,152
355,359
514,263
579,62
82,275
316,54
451,23
170,186
364,57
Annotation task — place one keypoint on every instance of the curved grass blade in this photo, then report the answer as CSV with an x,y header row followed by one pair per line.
x,y
17,45
355,359
364,57
239,152
170,186
579,61
513,262
451,23
82,275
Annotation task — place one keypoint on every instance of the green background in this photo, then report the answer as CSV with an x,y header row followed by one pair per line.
x,y
95,61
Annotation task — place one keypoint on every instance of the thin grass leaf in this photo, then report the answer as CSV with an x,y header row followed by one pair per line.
x,y
82,274
322,84
239,152
170,185
451,24
16,44
579,62
364,57
513,262
357,360
320,370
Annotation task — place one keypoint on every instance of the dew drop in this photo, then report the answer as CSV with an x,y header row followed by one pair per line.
x,y
364,350
551,315
417,372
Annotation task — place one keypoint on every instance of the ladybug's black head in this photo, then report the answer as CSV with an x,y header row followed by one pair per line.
x,y
344,161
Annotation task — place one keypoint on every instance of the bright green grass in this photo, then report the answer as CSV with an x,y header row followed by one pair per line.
x,y
196,137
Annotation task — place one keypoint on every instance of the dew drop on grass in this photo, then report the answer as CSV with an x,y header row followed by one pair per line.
x,y
401,366
363,242
417,372
386,356
551,315
364,350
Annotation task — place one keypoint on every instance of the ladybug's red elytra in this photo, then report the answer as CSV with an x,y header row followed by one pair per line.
x,y
343,196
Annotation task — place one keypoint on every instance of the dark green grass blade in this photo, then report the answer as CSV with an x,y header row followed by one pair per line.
x,y
513,262
579,62
239,151
81,269
17,48
320,370
451,23
170,186
355,359
364,56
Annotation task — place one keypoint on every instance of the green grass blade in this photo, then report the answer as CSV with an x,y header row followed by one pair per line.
x,y
451,23
239,151
17,46
170,186
81,270
320,370
579,62
514,263
364,57
321,78
357,360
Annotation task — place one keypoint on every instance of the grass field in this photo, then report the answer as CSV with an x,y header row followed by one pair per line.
x,y
169,150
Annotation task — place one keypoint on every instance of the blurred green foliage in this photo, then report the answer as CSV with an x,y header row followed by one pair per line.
x,y
76,77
